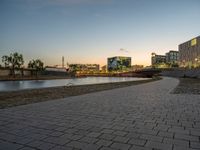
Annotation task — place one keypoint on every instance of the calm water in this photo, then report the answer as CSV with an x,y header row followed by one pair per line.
x,y
33,84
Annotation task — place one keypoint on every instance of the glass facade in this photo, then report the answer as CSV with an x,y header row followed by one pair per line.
x,y
119,63
190,53
172,57
157,59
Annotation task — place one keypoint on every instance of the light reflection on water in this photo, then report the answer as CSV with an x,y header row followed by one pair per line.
x,y
33,84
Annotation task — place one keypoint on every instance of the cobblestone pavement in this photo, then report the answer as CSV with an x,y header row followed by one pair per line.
x,y
141,117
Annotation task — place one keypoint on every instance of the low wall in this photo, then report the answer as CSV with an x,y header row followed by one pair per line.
x,y
193,73
6,72
54,73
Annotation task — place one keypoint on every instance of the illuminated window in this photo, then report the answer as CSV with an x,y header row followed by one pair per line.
x,y
193,42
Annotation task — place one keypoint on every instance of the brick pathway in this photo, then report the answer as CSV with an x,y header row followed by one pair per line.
x,y
141,117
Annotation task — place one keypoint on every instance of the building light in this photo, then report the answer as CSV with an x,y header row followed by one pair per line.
x,y
193,42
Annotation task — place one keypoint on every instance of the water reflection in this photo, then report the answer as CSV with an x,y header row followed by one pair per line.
x,y
32,84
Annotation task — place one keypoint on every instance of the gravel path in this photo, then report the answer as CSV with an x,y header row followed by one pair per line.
x,y
141,117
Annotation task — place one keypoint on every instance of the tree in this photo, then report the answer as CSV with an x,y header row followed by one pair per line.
x,y
5,60
13,61
36,65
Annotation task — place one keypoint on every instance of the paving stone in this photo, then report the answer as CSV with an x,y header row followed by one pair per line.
x,y
35,144
107,148
139,148
149,115
80,132
104,142
57,134
46,146
108,131
121,139
88,140
62,148
61,129
158,145
120,133
176,142
76,144
195,145
186,137
147,131
94,134
26,148
162,127
139,142
75,137
178,147
57,140
120,146
9,146
107,136
165,134
133,135
118,127
91,147
195,132
180,131
151,137
22,140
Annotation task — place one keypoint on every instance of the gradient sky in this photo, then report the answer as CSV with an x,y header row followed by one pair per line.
x,y
89,31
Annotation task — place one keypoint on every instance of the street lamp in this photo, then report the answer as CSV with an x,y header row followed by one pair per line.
x,y
196,62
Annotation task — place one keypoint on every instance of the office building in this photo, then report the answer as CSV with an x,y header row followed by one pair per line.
x,y
172,58
189,53
157,60
118,63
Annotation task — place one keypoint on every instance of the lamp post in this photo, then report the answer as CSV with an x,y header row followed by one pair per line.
x,y
196,62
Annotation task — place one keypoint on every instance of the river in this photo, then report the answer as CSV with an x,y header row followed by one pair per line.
x,y
35,84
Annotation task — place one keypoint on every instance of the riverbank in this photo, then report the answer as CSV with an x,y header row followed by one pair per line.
x,y
33,78
188,86
10,99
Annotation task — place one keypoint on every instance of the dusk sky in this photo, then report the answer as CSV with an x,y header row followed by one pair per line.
x,y
89,31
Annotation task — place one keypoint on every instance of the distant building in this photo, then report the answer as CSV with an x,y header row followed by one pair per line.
x,y
190,53
56,69
136,67
118,63
84,67
104,68
157,60
172,58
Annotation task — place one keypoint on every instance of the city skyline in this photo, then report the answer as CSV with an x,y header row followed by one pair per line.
x,y
90,31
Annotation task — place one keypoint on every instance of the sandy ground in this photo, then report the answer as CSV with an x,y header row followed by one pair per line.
x,y
10,99
188,86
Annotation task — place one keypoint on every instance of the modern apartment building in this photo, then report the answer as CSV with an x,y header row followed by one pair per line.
x,y
172,57
118,63
157,59
189,53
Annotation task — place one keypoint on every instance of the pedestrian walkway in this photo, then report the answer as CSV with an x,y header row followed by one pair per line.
x,y
141,117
